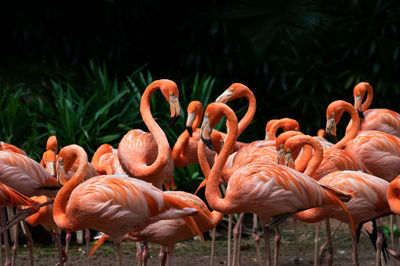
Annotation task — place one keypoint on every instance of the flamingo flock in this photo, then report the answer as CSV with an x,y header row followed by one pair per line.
x,y
119,193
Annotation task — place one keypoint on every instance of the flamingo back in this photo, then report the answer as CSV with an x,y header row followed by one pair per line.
x,y
24,174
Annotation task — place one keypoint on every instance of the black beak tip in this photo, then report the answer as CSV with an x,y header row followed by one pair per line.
x,y
190,131
331,138
207,142
360,114
173,120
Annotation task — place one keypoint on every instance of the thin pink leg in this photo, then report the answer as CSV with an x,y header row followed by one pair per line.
x,y
239,243
316,244
15,246
235,237
277,242
5,236
87,241
68,236
61,256
256,238
29,241
329,258
354,255
169,258
119,254
379,242
296,242
138,254
145,253
162,256
212,246
267,245
229,238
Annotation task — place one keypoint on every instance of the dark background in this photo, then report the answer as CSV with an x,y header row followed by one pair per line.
x,y
297,56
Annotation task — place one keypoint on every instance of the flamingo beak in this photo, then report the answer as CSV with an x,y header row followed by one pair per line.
x,y
60,171
225,96
205,133
175,110
189,122
279,154
331,126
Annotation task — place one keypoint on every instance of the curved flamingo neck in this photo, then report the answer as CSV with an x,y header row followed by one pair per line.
x,y
178,150
302,162
198,109
268,127
317,156
164,151
355,125
213,195
64,221
251,110
368,100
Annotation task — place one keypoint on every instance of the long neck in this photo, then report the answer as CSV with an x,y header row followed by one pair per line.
x,y
213,195
353,130
274,128
178,150
62,220
316,159
368,101
302,162
251,110
164,151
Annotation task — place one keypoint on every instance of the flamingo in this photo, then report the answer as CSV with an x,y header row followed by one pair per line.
x,y
105,161
267,189
378,119
379,151
185,148
331,160
147,156
114,205
50,155
44,217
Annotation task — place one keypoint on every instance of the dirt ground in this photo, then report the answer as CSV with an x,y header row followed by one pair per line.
x,y
193,252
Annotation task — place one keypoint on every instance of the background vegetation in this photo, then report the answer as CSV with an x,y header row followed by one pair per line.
x,y
78,71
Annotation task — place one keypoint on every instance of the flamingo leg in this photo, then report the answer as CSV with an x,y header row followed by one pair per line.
x,y
296,243
87,241
145,253
239,243
162,256
229,237
256,238
119,253
67,241
212,246
354,246
379,242
267,246
138,254
61,255
29,241
1,248
322,250
277,242
235,237
169,258
316,243
15,245
5,235
329,258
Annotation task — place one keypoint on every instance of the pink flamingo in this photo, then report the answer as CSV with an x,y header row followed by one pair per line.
x,y
378,119
114,205
105,161
249,188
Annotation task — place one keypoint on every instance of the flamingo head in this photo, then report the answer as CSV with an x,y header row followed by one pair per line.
x,y
52,144
359,92
170,92
195,112
236,90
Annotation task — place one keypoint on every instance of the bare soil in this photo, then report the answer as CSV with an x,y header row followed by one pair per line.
x,y
193,252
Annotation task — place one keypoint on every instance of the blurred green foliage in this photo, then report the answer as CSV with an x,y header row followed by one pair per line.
x,y
296,56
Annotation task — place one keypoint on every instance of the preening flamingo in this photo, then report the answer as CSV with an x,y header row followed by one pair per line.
x,y
269,190
330,160
44,217
147,156
114,205
105,161
378,151
49,157
379,119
